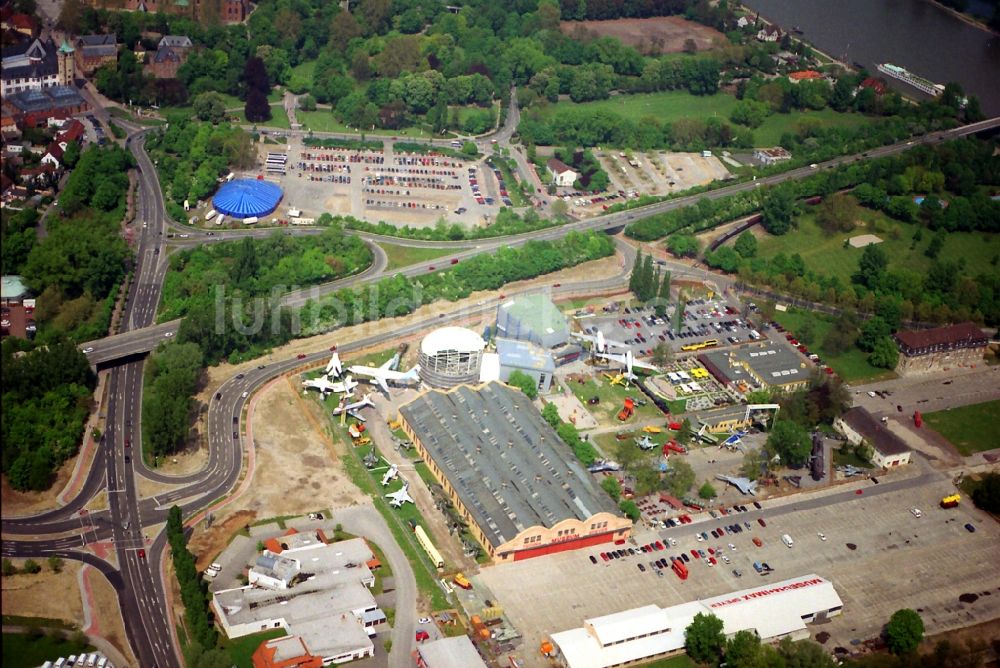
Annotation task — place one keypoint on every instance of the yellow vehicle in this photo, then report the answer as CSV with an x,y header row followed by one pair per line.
x,y
462,581
651,429
710,343
951,501
364,440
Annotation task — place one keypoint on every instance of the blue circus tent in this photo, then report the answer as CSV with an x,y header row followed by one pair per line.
x,y
246,198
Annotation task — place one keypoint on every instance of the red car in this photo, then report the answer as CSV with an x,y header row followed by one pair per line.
x,y
300,356
430,268
604,556
142,553
423,635
760,521
454,260
333,349
659,545
557,285
758,542
712,561
694,553
128,443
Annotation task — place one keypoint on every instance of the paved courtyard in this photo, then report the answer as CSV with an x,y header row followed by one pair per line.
x,y
877,554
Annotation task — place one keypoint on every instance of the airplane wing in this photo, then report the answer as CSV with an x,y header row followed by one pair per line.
x,y
613,357
584,337
644,365
615,344
356,415
387,365
382,384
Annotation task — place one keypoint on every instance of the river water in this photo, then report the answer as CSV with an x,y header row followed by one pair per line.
x,y
916,34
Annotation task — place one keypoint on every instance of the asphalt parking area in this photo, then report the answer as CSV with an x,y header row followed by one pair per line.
x,y
897,561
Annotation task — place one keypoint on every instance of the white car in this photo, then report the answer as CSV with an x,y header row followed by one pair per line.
x,y
424,620
732,547
246,394
871,394
698,536
88,349
822,536
168,334
916,512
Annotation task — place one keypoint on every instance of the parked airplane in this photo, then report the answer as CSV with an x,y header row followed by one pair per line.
x,y
390,475
400,496
849,470
745,485
627,360
645,443
602,465
385,373
352,409
600,344
334,367
326,386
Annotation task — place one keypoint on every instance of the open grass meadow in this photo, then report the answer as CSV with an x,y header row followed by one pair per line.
x,y
826,254
970,428
769,133
612,399
852,365
666,106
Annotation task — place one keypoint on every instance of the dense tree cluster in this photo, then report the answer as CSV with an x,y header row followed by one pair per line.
x,y
401,295
251,267
172,376
46,400
507,222
525,383
706,643
76,267
19,237
646,283
194,590
190,158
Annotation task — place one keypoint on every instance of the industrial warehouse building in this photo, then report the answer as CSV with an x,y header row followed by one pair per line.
x,y
532,318
764,365
457,652
320,594
451,356
888,449
927,350
527,358
773,611
518,485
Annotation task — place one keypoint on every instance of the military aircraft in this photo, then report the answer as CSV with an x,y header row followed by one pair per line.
x,y
602,465
645,443
745,485
380,375
849,470
600,344
400,496
334,368
390,475
326,386
353,408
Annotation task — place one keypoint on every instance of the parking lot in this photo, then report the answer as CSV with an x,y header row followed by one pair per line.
x,y
704,320
877,554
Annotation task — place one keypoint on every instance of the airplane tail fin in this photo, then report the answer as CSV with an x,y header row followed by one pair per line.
x,y
412,375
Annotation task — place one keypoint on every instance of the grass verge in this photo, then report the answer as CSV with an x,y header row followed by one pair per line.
x,y
970,428
241,650
404,256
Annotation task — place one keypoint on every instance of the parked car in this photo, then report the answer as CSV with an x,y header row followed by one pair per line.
x,y
970,528
758,542
760,521
593,559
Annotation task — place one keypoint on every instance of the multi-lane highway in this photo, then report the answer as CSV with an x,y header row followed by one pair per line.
x,y
133,523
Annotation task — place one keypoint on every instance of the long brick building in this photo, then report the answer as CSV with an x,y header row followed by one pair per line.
x,y
927,350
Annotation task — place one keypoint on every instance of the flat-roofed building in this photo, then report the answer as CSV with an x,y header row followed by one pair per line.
x,y
528,359
772,611
765,365
857,425
928,350
457,652
520,487
532,318
285,652
330,607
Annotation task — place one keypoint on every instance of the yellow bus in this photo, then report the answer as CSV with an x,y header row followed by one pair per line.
x,y
701,345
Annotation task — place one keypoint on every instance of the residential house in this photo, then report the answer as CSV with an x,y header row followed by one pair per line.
x,y
878,85
179,43
165,62
804,75
742,22
95,51
771,156
53,155
22,23
71,130
228,11
562,174
770,33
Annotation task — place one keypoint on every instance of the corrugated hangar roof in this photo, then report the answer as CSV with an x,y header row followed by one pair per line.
x,y
507,465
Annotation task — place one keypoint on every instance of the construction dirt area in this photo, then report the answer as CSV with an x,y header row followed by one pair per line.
x,y
662,34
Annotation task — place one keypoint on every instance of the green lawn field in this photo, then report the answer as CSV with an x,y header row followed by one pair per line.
x,y
852,365
666,106
404,256
769,134
826,254
612,400
970,429
323,120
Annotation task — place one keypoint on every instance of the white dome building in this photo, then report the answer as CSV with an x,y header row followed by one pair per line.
x,y
451,356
